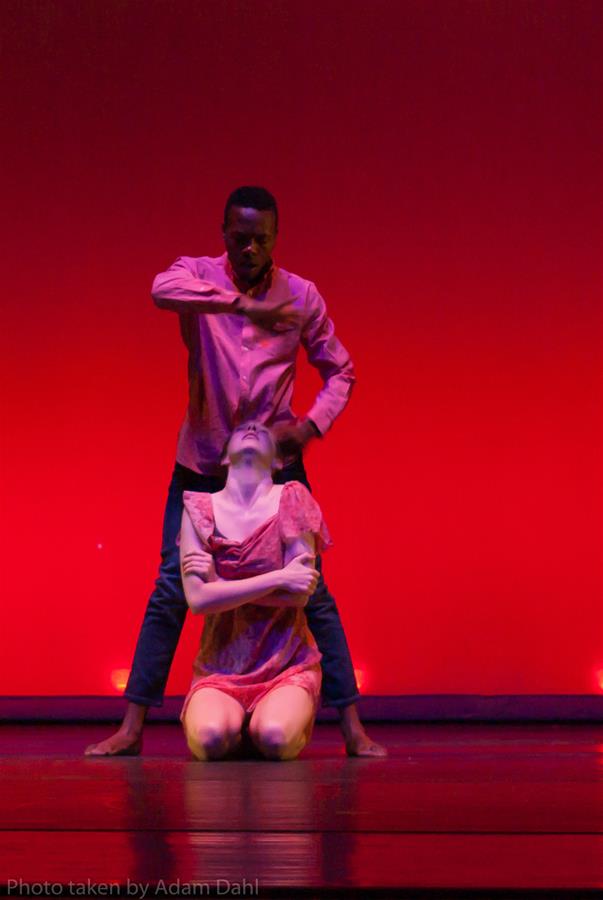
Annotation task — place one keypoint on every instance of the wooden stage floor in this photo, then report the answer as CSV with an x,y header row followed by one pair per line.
x,y
457,810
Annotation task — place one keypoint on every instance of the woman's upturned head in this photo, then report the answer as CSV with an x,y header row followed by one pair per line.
x,y
253,440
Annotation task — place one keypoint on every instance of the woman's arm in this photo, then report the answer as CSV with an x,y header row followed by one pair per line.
x,y
204,596
304,543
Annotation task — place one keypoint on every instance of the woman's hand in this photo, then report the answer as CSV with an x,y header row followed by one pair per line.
x,y
299,576
198,562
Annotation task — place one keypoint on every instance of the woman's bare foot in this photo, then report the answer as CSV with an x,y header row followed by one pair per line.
x,y
122,743
357,741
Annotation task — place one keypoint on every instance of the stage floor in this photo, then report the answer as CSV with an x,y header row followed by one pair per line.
x,y
504,809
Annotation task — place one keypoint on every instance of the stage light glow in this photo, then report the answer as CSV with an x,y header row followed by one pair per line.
x,y
119,679
599,678
360,678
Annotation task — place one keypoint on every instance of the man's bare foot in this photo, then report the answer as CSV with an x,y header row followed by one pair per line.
x,y
357,741
127,740
360,744
122,743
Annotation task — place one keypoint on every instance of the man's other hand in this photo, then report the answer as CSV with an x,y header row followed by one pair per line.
x,y
292,437
274,314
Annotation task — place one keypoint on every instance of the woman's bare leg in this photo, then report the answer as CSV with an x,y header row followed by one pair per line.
x,y
212,724
281,723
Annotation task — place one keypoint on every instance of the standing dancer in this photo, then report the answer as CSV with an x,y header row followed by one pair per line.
x,y
243,319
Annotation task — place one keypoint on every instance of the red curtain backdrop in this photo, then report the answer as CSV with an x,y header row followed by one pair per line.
x,y
438,167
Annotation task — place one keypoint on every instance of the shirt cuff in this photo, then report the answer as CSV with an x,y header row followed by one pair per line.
x,y
320,420
315,427
236,306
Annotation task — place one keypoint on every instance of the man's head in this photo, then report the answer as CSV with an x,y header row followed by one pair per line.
x,y
250,227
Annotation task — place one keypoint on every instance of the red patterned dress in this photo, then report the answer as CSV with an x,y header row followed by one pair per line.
x,y
248,651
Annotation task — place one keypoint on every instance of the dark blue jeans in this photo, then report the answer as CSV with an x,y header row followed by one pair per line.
x,y
167,607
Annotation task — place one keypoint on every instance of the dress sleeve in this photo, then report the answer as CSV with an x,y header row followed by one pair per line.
x,y
299,512
198,506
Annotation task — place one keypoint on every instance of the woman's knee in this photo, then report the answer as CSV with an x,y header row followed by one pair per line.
x,y
210,740
273,741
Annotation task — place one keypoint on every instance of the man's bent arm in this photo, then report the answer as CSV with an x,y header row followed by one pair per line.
x,y
327,354
181,290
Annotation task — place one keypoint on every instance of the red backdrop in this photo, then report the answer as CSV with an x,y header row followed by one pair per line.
x,y
438,169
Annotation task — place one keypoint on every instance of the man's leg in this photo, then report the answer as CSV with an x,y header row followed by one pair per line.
x,y
339,688
161,626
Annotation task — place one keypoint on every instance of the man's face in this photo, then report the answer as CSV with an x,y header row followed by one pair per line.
x,y
249,237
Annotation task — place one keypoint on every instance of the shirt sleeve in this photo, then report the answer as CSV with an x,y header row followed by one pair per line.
x,y
180,290
299,512
327,354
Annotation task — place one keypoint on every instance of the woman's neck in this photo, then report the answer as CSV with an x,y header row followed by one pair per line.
x,y
246,482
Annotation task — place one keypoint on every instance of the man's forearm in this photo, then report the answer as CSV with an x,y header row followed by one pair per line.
x,y
328,355
180,290
331,400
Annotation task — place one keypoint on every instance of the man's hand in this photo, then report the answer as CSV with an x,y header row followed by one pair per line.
x,y
271,314
292,437
199,563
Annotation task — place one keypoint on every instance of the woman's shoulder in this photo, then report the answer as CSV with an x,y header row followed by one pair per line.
x,y
296,489
296,495
196,498
198,506
299,512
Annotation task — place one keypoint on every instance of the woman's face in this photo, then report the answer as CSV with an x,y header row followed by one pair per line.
x,y
252,438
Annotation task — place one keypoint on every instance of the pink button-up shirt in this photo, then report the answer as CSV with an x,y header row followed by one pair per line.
x,y
238,370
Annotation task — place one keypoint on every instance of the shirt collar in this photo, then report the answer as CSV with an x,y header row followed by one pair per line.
x,y
258,288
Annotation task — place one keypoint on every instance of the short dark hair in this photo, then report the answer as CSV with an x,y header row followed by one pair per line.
x,y
254,197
